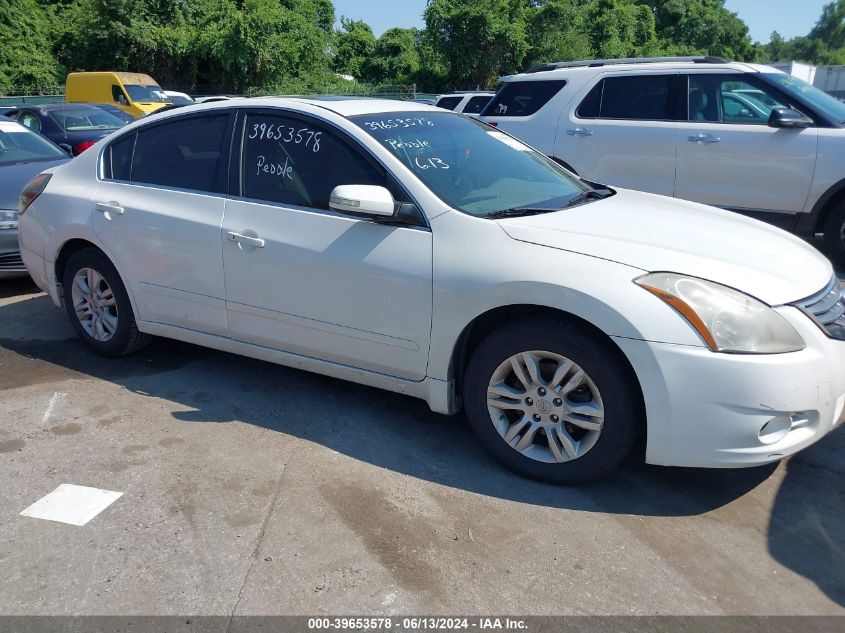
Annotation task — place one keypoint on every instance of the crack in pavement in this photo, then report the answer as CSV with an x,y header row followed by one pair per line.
x,y
261,533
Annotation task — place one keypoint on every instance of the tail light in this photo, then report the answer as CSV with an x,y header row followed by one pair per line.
x,y
32,190
81,147
492,123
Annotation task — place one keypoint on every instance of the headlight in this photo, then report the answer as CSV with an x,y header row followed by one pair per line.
x,y
8,219
727,320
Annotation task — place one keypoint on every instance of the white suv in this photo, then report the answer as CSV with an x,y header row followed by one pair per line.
x,y
743,137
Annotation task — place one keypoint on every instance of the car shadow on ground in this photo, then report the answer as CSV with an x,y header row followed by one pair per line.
x,y
399,433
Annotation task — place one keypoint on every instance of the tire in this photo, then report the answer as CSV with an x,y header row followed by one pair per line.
x,y
106,323
607,390
834,234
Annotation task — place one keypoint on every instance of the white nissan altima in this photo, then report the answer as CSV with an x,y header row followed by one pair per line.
x,y
416,250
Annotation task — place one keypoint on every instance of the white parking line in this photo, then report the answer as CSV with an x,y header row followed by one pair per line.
x,y
52,405
72,504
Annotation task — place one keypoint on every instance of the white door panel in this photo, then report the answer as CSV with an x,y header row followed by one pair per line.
x,y
169,251
744,166
728,155
329,286
629,154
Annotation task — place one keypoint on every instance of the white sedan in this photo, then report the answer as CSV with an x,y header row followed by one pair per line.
x,y
416,250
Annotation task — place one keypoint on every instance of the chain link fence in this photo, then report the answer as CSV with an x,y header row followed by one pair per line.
x,y
18,95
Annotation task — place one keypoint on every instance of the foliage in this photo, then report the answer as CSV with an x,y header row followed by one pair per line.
x,y
354,43
824,44
293,45
394,58
25,58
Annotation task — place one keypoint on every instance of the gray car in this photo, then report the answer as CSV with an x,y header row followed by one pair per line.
x,y
23,155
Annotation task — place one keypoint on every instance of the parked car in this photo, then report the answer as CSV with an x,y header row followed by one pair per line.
x,y
465,101
665,125
416,250
72,126
23,155
179,98
212,98
134,93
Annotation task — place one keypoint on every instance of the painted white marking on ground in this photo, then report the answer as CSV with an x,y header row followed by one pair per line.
x,y
52,405
72,504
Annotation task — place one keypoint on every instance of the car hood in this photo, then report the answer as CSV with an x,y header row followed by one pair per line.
x,y
656,233
13,179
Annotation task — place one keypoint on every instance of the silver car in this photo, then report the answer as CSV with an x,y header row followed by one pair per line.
x,y
23,154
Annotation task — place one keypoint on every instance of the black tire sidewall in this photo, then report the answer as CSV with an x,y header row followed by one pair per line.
x,y
597,358
833,242
126,328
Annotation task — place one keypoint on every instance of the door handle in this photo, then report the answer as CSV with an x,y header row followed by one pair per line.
x,y
579,131
703,139
240,238
109,207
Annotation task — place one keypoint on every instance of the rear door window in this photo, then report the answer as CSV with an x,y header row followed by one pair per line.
x,y
187,153
448,103
117,159
476,104
523,98
638,98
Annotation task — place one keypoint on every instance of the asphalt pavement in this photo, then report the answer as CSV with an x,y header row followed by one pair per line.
x,y
250,488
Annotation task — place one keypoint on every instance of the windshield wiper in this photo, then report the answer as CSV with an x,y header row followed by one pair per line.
x,y
590,194
518,212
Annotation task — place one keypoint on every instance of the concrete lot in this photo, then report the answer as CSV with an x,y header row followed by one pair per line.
x,y
255,489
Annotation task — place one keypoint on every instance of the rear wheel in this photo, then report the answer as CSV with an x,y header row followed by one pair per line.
x,y
834,234
552,401
98,305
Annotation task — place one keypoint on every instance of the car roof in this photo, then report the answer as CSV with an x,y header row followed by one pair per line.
x,y
344,106
564,69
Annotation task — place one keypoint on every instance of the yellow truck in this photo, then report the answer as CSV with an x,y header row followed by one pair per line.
x,y
134,93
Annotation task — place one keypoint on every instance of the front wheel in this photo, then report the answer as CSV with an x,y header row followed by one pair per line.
x,y
834,234
98,305
552,401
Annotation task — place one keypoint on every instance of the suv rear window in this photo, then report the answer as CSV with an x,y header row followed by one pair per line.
x,y
476,104
448,103
523,98
640,98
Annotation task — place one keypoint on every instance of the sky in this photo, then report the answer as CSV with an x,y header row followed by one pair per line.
x,y
789,18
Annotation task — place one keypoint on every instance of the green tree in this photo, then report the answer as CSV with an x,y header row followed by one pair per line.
x,y
557,31
478,39
700,27
621,28
395,58
354,42
25,58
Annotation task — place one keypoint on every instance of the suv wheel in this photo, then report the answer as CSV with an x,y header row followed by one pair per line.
x,y
834,234
98,305
551,401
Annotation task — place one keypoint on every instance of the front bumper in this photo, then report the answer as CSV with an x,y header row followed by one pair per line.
x,y
11,264
709,409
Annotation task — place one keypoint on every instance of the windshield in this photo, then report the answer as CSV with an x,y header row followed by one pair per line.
x,y
146,94
21,145
472,166
81,120
832,108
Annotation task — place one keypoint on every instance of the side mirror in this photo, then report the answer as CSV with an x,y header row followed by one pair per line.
x,y
363,200
67,148
788,118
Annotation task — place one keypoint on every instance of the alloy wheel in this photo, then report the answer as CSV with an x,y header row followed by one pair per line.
x,y
545,406
94,304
